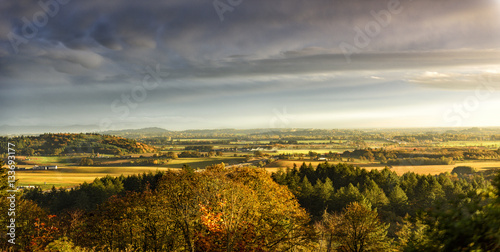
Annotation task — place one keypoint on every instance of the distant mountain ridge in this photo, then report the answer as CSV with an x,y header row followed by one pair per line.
x,y
36,130
65,143
7,130
147,131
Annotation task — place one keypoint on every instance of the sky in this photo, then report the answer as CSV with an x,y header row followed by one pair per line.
x,y
185,64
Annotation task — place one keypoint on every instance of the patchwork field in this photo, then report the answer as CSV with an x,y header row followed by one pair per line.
x,y
487,144
400,170
71,175
306,151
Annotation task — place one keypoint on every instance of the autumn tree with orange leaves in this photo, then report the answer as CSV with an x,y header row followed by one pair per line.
x,y
219,209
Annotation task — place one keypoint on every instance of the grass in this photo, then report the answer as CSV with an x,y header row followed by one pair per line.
x,y
234,143
69,176
306,151
203,162
400,170
72,176
200,139
317,141
47,160
493,144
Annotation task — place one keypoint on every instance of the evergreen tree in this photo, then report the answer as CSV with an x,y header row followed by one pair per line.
x,y
356,229
374,194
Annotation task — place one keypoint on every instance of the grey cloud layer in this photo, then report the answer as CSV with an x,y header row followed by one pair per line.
x,y
103,47
188,35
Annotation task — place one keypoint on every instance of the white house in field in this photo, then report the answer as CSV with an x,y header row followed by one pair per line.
x,y
51,167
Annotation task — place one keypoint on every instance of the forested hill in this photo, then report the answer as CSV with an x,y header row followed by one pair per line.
x,y
56,144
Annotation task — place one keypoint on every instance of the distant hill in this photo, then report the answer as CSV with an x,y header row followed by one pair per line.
x,y
40,129
138,133
56,144
295,133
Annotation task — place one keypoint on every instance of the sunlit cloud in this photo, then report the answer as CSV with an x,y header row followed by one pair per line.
x,y
459,80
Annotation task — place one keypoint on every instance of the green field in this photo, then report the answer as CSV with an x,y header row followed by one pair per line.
x,y
400,170
202,162
487,144
249,142
199,139
44,160
71,175
306,151
317,141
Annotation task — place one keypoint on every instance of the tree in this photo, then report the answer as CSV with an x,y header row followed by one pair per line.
x,y
398,200
323,193
468,224
218,209
463,170
258,153
356,229
412,236
374,194
346,195
306,188
86,162
172,155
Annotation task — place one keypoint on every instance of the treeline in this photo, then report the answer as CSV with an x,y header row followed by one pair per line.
x,y
469,135
284,135
426,156
88,195
402,157
421,161
205,148
342,208
173,141
331,187
220,209
422,212
57,144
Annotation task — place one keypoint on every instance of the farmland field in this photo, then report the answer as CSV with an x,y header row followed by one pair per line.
x,y
487,144
202,162
400,170
71,175
72,170
306,151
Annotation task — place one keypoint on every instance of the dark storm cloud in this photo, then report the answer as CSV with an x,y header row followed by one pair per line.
x,y
188,33
105,46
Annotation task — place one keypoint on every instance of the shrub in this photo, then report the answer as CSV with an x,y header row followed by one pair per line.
x,y
462,170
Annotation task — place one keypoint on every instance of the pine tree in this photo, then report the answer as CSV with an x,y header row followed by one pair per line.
x,y
356,229
374,194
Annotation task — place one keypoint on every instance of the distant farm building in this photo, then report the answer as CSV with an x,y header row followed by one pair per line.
x,y
26,187
52,167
